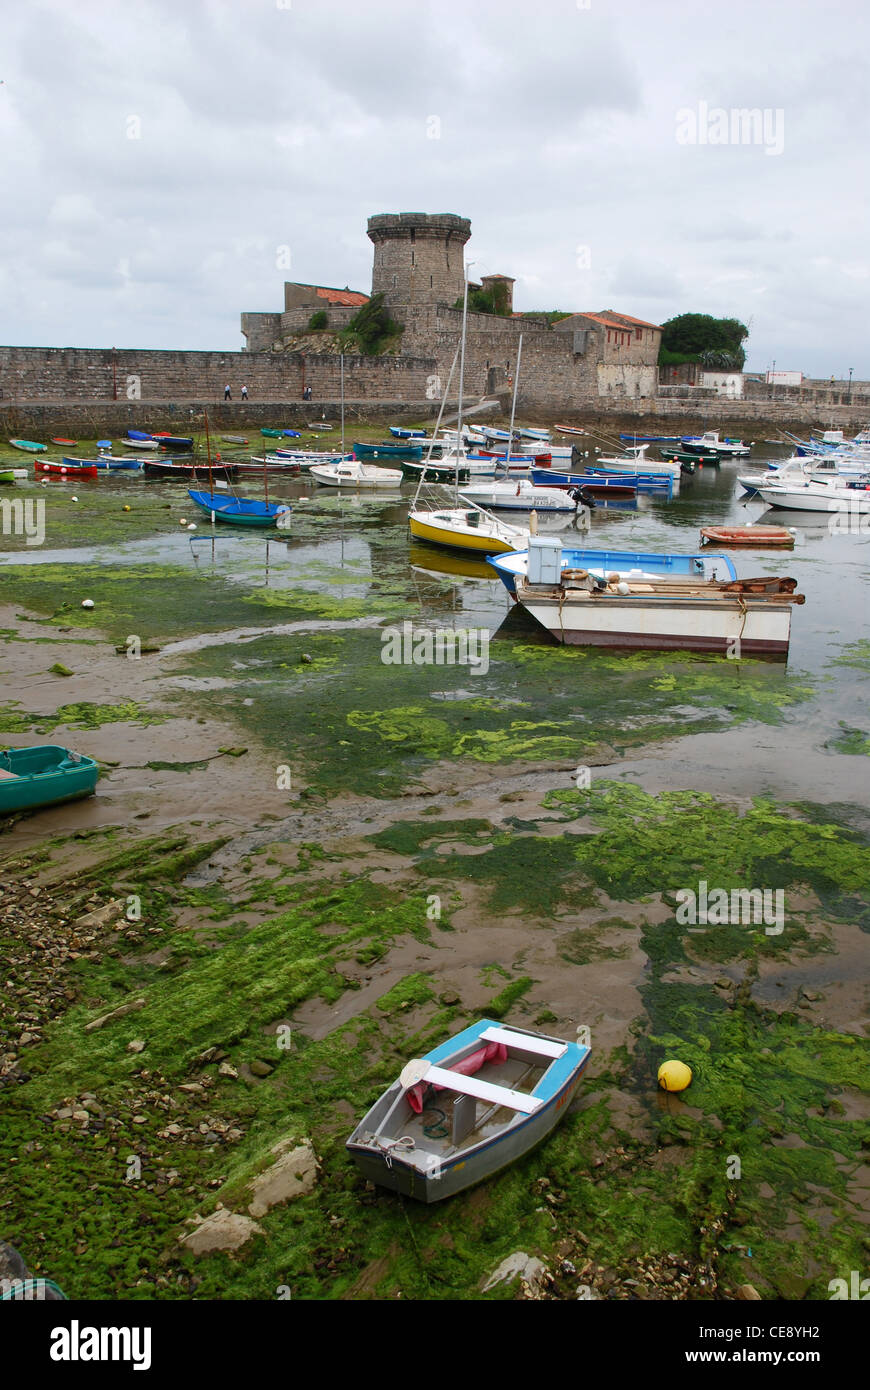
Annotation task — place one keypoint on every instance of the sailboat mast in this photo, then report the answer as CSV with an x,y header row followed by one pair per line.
x,y
341,359
507,458
461,380
432,441
208,454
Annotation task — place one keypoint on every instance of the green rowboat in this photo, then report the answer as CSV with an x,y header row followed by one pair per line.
x,y
28,446
403,450
273,434
7,475
34,777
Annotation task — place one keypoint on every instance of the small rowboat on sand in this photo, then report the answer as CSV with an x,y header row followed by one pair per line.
x,y
747,535
467,1109
28,446
69,470
234,439
42,776
65,443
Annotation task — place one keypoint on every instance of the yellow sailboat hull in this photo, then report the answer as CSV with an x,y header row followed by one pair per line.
x,y
460,540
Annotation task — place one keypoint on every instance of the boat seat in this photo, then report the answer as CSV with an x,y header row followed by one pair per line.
x,y
5,773
542,1046
483,1090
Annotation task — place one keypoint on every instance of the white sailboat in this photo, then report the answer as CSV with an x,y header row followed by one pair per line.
x,y
471,527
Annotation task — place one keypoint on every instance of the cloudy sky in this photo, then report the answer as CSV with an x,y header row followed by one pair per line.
x,y
164,160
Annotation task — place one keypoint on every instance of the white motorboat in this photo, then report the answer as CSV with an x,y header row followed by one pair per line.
x,y
355,474
801,469
138,444
817,497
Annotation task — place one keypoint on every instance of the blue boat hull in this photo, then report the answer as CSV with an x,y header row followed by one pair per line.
x,y
240,511
133,465
644,482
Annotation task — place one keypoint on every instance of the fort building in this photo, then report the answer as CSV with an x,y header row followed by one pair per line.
x,y
419,268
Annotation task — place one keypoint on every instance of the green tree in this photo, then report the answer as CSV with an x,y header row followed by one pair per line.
x,y
319,319
372,329
704,339
493,301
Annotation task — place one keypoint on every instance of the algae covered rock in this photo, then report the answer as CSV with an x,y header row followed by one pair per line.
x,y
293,1173
223,1230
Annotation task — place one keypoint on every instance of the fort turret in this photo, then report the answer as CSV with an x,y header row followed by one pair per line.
x,y
418,256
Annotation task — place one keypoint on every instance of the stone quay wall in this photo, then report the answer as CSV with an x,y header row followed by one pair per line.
x,y
56,388
30,376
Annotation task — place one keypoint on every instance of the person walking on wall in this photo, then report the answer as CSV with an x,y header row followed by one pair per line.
x,y
228,395
244,393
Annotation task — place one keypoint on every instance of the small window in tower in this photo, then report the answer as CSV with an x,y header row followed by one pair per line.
x,y
412,258
430,282
413,233
395,281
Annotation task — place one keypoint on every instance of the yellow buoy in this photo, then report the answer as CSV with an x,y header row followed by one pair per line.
x,y
674,1075
126,509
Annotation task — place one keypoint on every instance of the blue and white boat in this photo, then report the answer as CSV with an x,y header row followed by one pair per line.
x,y
241,511
399,432
108,461
628,564
467,1109
292,434
658,483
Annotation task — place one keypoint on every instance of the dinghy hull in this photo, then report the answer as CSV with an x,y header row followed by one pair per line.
x,y
431,1167
31,778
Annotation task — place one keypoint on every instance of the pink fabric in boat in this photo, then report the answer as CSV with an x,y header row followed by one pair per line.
x,y
493,1052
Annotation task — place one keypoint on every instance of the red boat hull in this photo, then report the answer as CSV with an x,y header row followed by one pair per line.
x,y
68,470
747,535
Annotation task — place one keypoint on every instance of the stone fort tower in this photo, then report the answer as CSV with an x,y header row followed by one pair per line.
x,y
418,256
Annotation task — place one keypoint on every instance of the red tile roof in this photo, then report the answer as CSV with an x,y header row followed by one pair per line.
x,y
349,298
611,319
